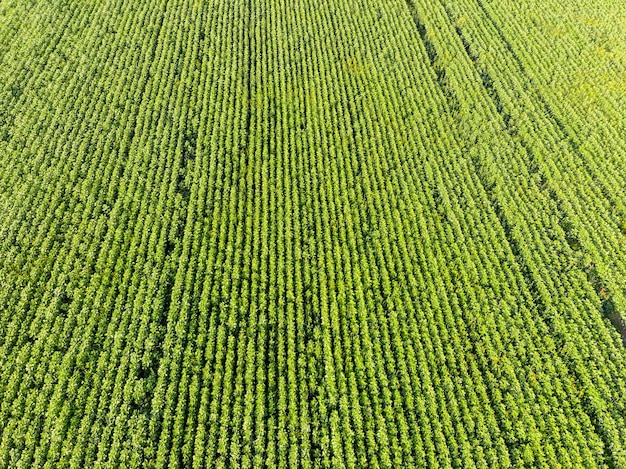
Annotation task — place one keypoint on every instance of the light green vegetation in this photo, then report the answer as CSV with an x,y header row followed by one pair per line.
x,y
305,233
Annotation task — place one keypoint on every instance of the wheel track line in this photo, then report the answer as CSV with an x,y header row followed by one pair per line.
x,y
531,283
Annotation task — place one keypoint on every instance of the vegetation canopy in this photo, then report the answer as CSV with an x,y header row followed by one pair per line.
x,y
315,234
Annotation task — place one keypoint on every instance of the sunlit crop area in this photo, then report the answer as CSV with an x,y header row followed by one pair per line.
x,y
316,234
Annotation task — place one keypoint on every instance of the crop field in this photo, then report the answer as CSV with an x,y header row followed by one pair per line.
x,y
313,234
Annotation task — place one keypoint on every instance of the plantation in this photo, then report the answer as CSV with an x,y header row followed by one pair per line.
x,y
317,234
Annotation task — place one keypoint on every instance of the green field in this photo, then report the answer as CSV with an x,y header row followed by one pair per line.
x,y
316,234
